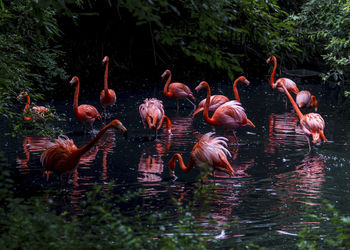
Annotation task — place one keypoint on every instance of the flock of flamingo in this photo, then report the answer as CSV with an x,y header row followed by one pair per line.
x,y
62,156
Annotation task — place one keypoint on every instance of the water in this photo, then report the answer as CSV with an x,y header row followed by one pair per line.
x,y
276,177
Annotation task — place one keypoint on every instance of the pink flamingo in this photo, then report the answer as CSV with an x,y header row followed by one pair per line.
x,y
152,114
304,99
36,113
209,152
177,90
312,124
289,84
63,156
84,113
218,100
107,96
230,115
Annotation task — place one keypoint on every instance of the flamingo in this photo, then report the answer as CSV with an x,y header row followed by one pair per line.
x,y
209,151
152,114
63,156
304,99
218,100
36,113
230,115
107,96
84,113
312,124
289,84
177,90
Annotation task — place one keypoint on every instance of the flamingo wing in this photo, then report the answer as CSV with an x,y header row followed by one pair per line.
x,y
179,90
303,99
89,112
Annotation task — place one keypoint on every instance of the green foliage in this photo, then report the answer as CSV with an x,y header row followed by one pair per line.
x,y
334,231
218,33
323,30
29,55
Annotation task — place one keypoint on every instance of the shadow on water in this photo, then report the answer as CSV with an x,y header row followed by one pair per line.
x,y
275,175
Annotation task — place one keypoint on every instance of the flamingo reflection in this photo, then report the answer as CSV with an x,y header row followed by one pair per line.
x,y
107,144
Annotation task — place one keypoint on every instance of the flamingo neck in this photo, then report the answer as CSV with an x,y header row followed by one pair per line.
x,y
166,87
92,142
206,107
295,106
106,79
76,97
272,78
28,103
235,90
186,169
168,122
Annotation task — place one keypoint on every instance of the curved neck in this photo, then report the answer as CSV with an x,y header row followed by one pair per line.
x,y
91,143
184,168
106,78
206,107
272,78
235,91
166,87
295,106
28,103
168,122
76,96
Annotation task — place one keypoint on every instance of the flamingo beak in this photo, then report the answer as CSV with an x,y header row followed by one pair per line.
x,y
163,75
123,130
268,60
198,88
246,82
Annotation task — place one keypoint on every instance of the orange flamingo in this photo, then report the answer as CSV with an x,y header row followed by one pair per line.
x,y
63,156
304,99
312,124
36,113
177,90
107,96
230,115
209,151
152,114
218,100
84,113
289,84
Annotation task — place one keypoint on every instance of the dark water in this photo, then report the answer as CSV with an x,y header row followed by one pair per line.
x,y
276,180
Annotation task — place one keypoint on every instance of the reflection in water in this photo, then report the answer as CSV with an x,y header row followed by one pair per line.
x,y
182,129
107,145
284,133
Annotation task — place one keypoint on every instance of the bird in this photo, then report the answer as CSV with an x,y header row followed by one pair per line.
x,y
84,113
230,115
62,156
289,84
152,114
36,113
107,96
209,152
312,124
218,100
304,99
177,90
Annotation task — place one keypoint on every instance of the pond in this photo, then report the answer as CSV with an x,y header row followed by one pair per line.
x,y
276,178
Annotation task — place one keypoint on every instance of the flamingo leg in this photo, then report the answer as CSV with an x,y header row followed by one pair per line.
x,y
194,105
177,105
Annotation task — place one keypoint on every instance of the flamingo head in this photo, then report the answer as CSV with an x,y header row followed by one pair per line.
x,y
244,79
105,59
22,95
268,60
116,124
74,80
278,83
316,138
203,84
166,72
151,122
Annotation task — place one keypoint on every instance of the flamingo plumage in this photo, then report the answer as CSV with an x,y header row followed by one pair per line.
x,y
231,115
304,99
35,113
177,90
217,100
289,84
152,114
84,113
312,124
63,156
107,96
208,152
